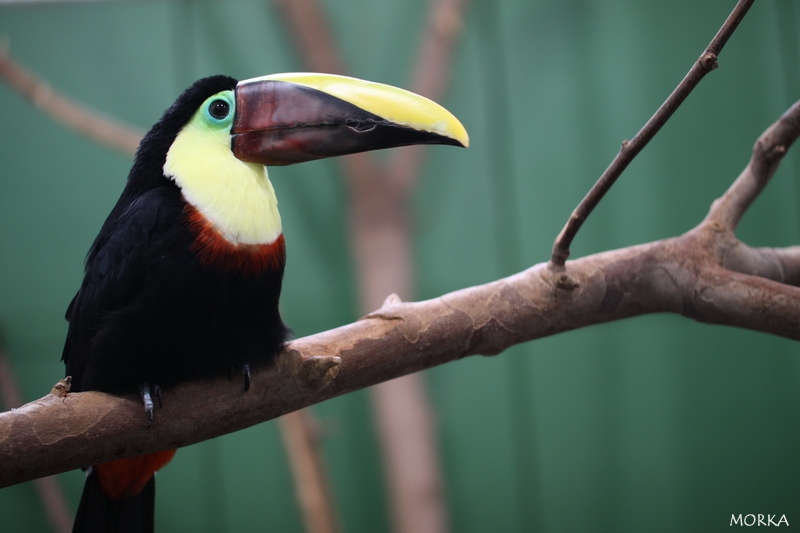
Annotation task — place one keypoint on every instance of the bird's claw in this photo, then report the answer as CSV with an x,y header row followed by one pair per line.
x,y
245,372
147,400
157,391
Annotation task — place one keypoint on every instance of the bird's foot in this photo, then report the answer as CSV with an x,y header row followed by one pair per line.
x,y
246,372
147,400
157,390
245,369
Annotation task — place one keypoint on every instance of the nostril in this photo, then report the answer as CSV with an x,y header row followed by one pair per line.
x,y
361,126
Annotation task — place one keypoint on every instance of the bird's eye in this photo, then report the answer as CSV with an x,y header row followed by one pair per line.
x,y
219,109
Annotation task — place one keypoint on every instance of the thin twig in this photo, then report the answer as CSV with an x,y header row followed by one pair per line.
x,y
768,151
780,264
705,64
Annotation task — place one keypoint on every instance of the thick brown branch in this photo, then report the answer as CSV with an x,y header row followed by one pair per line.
x,y
789,261
102,129
63,432
779,264
750,302
630,149
50,493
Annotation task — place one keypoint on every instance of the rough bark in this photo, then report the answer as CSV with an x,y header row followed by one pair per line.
x,y
680,275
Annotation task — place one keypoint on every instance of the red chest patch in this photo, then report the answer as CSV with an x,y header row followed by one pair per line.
x,y
213,250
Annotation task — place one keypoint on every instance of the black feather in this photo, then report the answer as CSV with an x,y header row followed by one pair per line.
x,y
148,310
98,513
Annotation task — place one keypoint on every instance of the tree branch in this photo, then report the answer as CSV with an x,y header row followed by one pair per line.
x,y
630,149
100,128
779,264
768,152
66,431
48,489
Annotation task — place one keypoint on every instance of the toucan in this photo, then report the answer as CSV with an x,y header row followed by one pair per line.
x,y
183,281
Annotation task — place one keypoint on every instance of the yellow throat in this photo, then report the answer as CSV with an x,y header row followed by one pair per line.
x,y
237,198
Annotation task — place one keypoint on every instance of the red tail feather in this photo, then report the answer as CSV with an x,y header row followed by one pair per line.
x,y
126,477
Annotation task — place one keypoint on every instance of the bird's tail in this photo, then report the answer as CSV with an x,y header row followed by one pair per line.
x,y
98,513
119,497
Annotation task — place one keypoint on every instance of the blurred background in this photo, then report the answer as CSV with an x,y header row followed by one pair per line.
x,y
652,424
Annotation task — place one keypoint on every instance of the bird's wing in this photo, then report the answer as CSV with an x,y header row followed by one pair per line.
x,y
116,267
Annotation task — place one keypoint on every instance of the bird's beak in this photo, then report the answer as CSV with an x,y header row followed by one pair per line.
x,y
289,118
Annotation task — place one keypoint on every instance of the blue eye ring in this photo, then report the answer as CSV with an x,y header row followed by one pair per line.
x,y
219,109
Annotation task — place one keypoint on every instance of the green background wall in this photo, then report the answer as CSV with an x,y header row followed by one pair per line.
x,y
652,424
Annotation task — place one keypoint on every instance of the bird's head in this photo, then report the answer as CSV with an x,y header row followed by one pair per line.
x,y
283,119
217,138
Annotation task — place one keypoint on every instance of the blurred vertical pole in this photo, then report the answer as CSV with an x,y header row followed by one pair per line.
x,y
405,418
507,240
301,441
50,494
382,245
